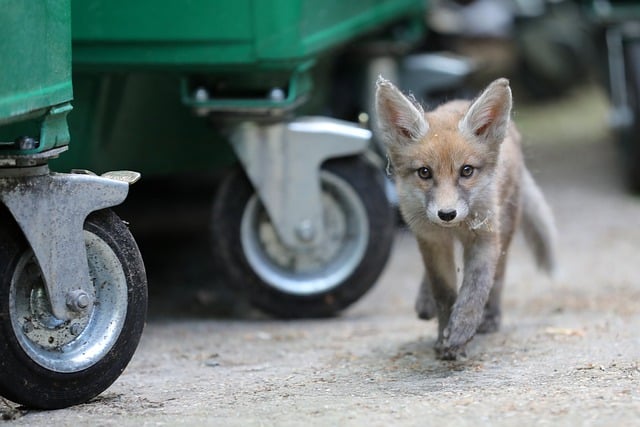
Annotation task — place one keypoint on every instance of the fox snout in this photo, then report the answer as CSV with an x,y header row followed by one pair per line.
x,y
447,215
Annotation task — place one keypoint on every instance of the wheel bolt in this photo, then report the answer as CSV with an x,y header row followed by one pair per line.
x,y
83,300
27,327
276,94
75,329
305,230
78,300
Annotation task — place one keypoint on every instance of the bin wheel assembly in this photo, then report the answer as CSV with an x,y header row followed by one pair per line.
x,y
314,282
49,363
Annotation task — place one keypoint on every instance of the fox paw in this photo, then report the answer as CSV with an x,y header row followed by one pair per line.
x,y
426,308
459,331
446,352
455,338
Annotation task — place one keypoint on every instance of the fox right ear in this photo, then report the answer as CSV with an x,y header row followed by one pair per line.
x,y
400,119
488,116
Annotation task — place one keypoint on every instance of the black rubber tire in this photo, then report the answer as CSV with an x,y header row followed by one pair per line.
x,y
28,383
630,137
230,203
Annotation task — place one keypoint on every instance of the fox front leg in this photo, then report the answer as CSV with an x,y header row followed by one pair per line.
x,y
480,260
439,262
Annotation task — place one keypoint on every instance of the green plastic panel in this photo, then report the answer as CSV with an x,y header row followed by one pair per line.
x,y
137,65
137,121
207,34
35,52
295,29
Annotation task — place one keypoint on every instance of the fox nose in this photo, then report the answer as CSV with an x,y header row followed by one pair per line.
x,y
447,215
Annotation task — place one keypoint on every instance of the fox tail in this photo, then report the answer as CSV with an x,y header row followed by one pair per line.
x,y
538,224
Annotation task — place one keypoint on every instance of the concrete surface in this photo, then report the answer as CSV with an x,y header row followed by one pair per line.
x,y
568,352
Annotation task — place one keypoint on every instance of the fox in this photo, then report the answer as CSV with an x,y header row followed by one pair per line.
x,y
462,181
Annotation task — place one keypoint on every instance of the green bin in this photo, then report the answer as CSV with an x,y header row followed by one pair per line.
x,y
35,78
211,34
138,66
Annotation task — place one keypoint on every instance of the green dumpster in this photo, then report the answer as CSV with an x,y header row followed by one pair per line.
x,y
209,34
138,68
35,87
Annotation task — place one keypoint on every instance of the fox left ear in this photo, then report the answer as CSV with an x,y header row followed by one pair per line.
x,y
400,118
488,116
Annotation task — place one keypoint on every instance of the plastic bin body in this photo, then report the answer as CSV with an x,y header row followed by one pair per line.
x,y
137,65
210,34
35,76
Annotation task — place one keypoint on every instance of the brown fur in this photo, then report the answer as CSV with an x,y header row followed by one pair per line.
x,y
442,202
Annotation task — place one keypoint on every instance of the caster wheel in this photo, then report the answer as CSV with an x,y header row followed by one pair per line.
x,y
49,363
359,225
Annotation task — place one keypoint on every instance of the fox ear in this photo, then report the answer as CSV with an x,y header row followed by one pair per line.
x,y
400,118
488,116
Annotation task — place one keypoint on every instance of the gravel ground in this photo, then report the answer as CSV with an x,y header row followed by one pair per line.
x,y
568,352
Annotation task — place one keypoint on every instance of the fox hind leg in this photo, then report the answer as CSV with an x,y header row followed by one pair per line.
x,y
426,303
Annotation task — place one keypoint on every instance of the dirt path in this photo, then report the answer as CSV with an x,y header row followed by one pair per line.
x,y
568,352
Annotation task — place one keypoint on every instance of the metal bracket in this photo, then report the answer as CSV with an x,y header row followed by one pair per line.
x,y
283,162
278,101
54,134
50,209
20,162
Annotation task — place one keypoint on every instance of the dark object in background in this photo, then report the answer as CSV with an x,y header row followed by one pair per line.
x,y
542,46
554,49
617,25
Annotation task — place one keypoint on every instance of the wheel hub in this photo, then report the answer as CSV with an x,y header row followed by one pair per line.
x,y
39,325
75,344
315,268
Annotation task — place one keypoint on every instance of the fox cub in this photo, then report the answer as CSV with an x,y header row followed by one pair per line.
x,y
460,176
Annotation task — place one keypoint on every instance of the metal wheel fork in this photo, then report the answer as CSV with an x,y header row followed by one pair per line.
x,y
50,209
282,161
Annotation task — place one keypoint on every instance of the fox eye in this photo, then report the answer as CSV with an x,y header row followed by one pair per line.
x,y
466,171
424,173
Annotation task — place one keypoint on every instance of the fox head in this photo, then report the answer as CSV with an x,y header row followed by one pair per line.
x,y
444,160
